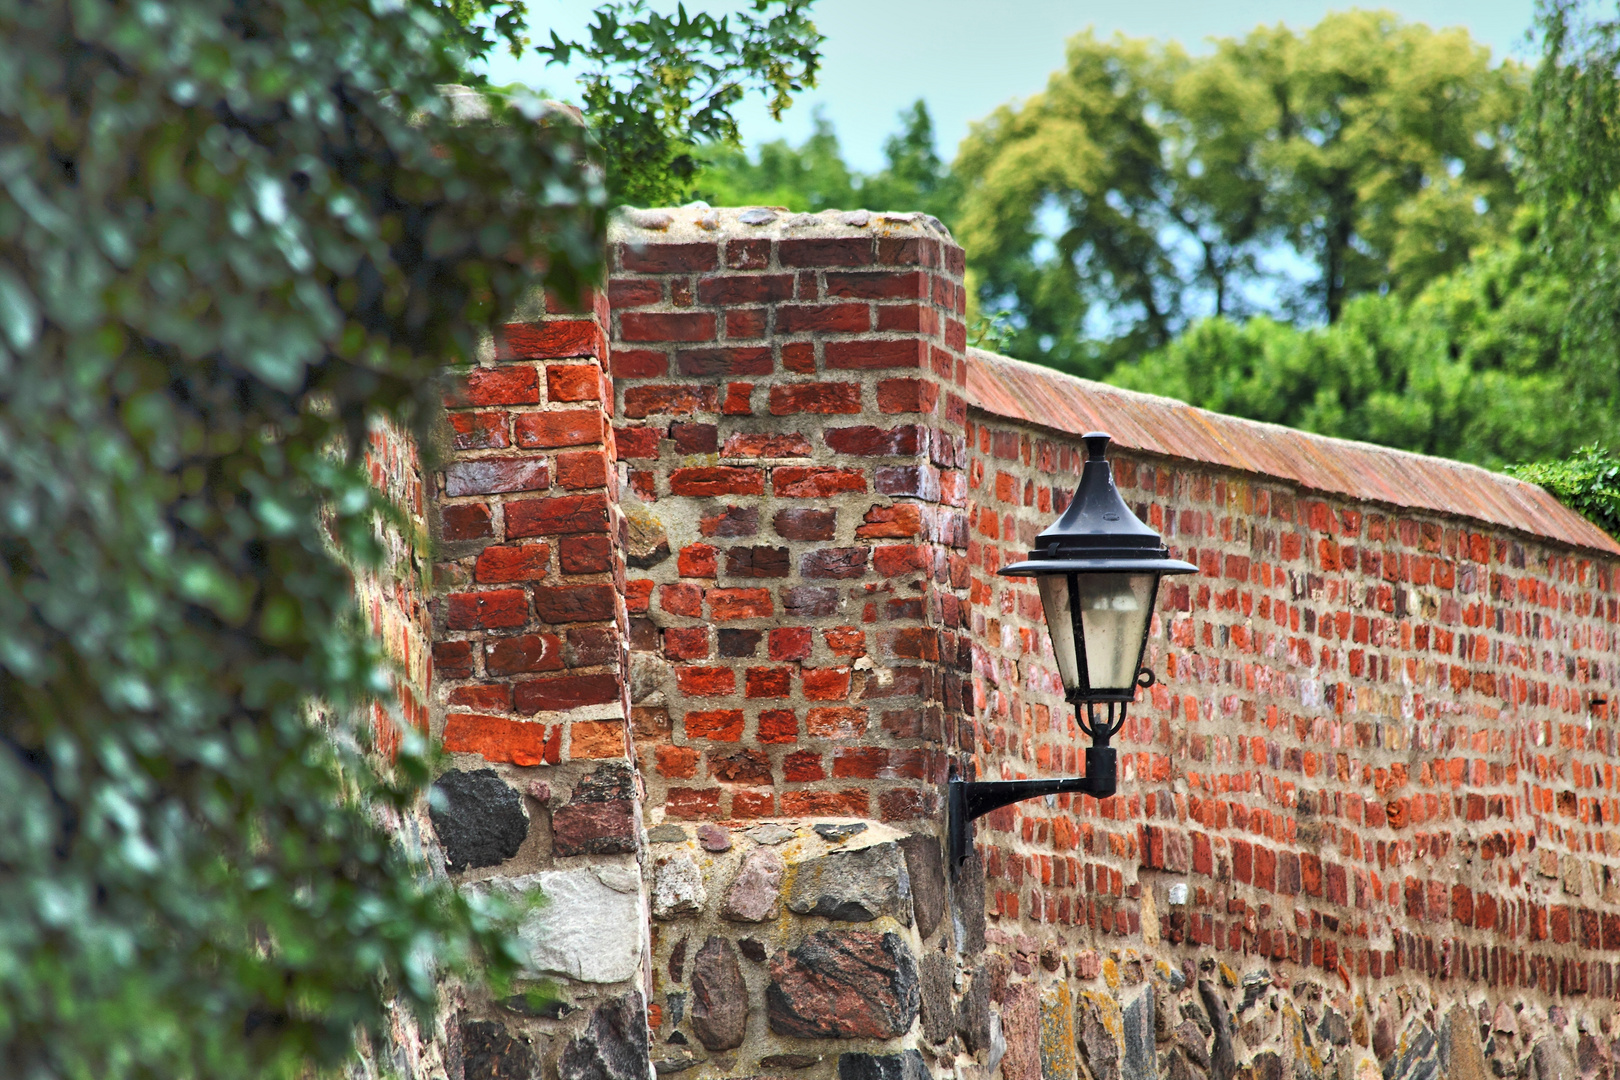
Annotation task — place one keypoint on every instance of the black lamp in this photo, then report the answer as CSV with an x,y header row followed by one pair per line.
x,y
1098,569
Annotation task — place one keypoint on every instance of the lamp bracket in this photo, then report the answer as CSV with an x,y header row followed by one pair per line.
x,y
967,800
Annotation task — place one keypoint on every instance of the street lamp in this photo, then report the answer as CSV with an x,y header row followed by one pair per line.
x,y
1098,569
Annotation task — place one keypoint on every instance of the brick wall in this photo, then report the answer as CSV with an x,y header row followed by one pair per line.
x,y
719,616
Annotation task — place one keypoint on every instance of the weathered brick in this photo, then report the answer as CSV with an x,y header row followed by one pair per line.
x,y
575,603
466,521
847,803
552,339
637,443
719,725
871,355
668,258
478,430
686,642
867,441
492,609
524,654
730,361
516,384
489,476
826,251
809,602
453,659
695,438
907,396
757,562
696,560
727,290
802,523
821,398
826,684
496,738
802,482
731,521
740,603
644,401
849,562
485,696
582,469
768,682
706,681
557,515
520,562
823,318
717,480
574,427
689,803
879,285
767,445
666,326
585,554
625,293
573,382
901,520
560,693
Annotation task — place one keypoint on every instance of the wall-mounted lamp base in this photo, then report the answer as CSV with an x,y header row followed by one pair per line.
x,y
967,800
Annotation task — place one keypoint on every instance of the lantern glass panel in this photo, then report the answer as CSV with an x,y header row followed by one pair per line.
x,y
1060,624
1114,614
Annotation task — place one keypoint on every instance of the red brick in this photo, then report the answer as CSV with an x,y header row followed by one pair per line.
x,y
553,339
638,596
757,562
826,684
845,641
850,803
585,554
478,430
834,562
823,318
740,603
489,476
908,251
559,693
731,521
695,438
706,681
768,682
836,722
656,258
557,515
717,480
666,326
644,401
676,762
523,654
638,364
805,482
575,427
696,560
879,285
764,445
452,659
518,384
743,323
573,382
637,443
829,251
861,763
494,609
893,559
625,293
899,521
592,646
803,767
911,643
748,254
495,738
684,600
907,396
823,398
582,469
778,726
865,355
686,642
791,643
739,399
575,603
802,523
467,521
752,360
719,725
799,356
496,696
866,441
690,803
753,804
521,562
731,289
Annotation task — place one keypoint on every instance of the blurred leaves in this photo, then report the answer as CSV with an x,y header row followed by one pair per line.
x,y
234,236
1588,481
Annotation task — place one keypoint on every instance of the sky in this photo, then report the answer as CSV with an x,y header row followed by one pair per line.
x,y
965,57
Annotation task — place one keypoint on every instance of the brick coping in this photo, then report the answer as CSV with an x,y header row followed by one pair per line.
x,y
1016,390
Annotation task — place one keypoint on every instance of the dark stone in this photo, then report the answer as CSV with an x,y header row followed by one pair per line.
x,y
969,892
677,1007
843,984
613,1045
667,834
835,834
488,1052
1419,1055
1141,1060
973,1012
926,868
1097,1047
1267,1066
906,1066
676,1063
735,644
608,783
853,886
677,962
937,1017
594,828
479,818
1222,1059
1176,1067
719,996
1550,1060
754,950
1383,1040
1334,1028
789,1061
1191,1041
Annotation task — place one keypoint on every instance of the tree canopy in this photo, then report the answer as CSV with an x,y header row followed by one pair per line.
x,y
233,235
1145,188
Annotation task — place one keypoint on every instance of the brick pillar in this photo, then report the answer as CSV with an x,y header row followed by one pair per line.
x,y
530,657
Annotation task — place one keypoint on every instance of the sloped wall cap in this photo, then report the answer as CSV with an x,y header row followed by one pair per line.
x,y
1019,391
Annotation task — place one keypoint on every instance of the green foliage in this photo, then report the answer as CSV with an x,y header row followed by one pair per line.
x,y
1588,482
1469,368
1571,141
232,233
1145,187
813,176
658,86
